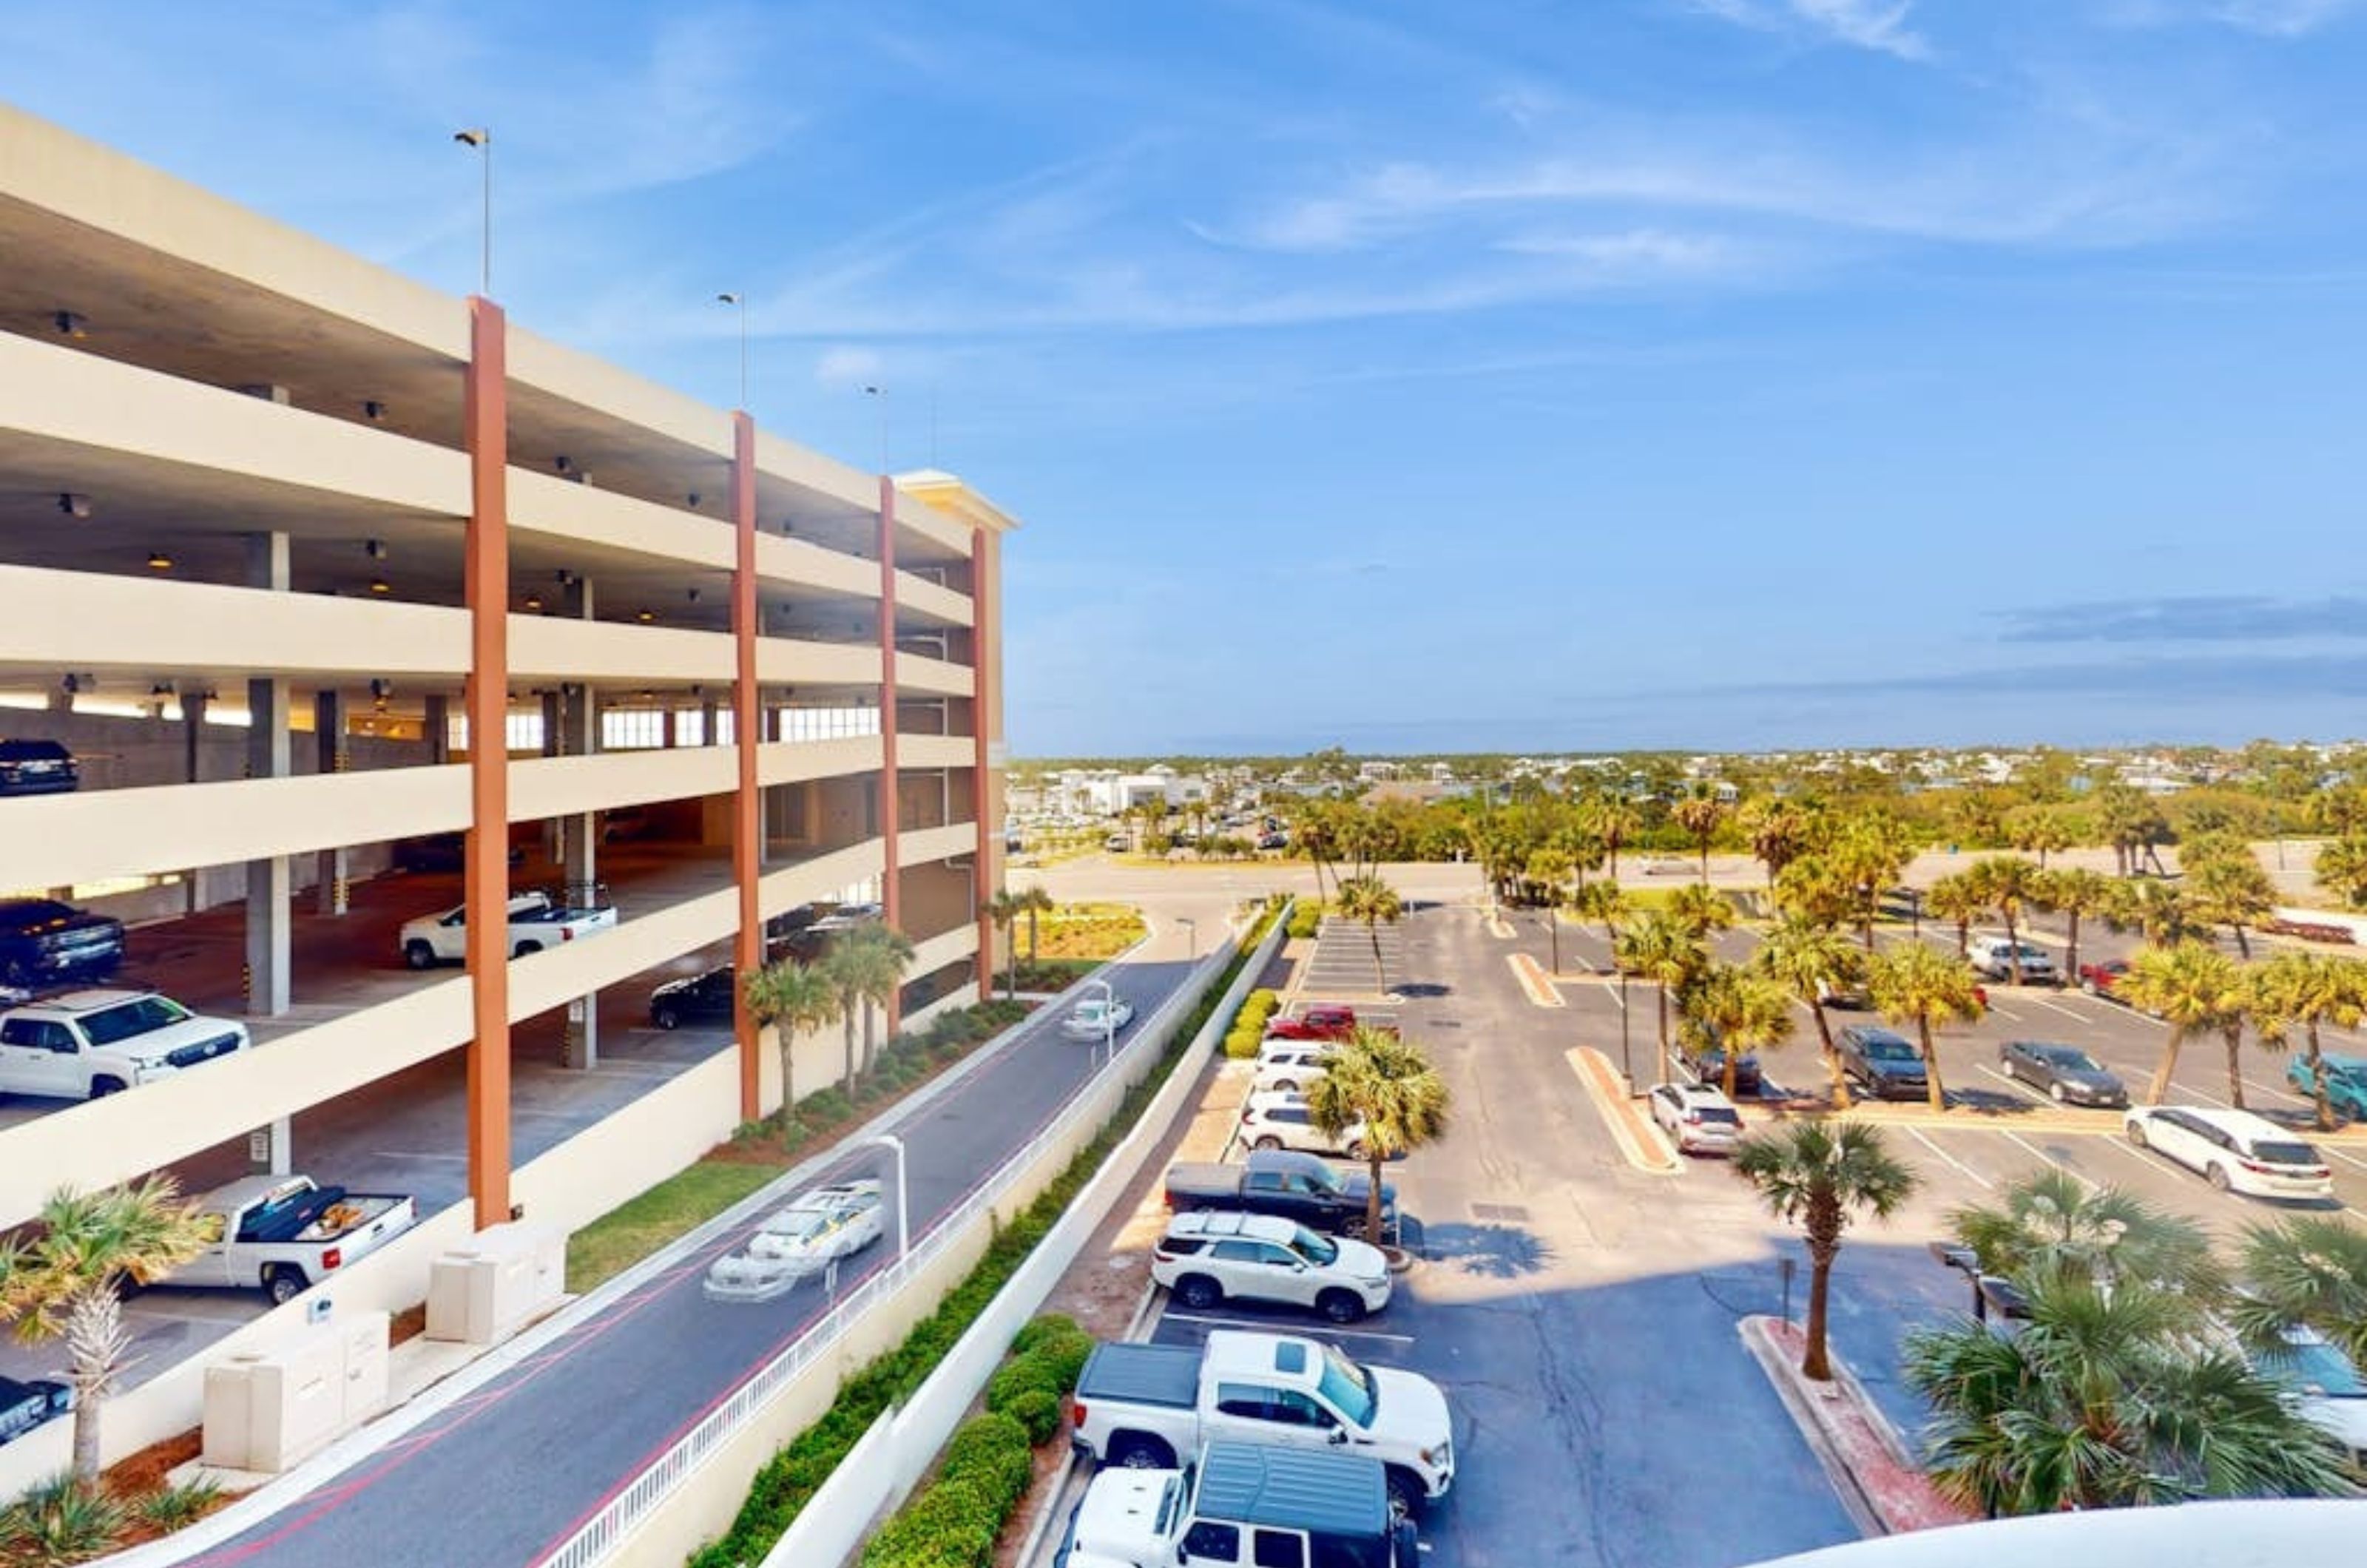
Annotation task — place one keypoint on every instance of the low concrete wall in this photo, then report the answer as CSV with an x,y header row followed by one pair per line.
x,y
902,1445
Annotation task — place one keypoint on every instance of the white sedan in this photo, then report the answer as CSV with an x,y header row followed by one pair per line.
x,y
805,1238
1095,1019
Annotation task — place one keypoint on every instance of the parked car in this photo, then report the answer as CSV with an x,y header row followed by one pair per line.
x,y
2331,1392
1709,1068
1278,1118
87,1043
439,852
37,767
1097,1017
1156,1406
802,1240
1241,1507
43,942
1845,995
1295,1186
2237,1151
696,998
24,1406
1273,840
534,922
282,1233
1700,1119
2098,979
1881,1063
1994,958
1318,1022
2068,1075
1212,1257
623,824
1290,1064
2346,1083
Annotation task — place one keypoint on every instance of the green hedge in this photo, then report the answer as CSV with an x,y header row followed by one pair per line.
x,y
1306,920
789,1479
1248,1024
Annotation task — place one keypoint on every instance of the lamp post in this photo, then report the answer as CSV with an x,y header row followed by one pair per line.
x,y
1553,930
1191,938
740,301
903,1198
1626,1069
1109,1015
482,139
881,393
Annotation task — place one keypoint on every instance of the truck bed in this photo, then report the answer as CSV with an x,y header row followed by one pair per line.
x,y
1167,1375
1210,1183
322,1215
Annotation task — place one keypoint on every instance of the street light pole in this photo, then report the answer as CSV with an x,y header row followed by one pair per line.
x,y
741,302
1109,1017
1553,930
881,393
903,1194
1191,938
1626,1068
482,139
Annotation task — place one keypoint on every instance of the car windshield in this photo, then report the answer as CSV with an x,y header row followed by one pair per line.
x,y
1717,1113
1317,1249
2069,1057
1322,1178
1888,1048
1349,1388
2277,1153
800,1224
142,1015
2314,1364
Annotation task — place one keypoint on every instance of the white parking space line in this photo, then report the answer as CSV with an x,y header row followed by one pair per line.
x,y
2005,1012
1917,1133
2014,1084
2043,1157
1310,1330
2057,1007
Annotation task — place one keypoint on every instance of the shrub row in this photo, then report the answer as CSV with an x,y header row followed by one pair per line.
x,y
1248,1024
1040,1374
1306,920
789,1479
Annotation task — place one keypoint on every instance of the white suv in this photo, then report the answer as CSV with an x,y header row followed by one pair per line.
x,y
1278,1118
87,1043
1210,1256
1993,956
1290,1064
1701,1119
2237,1151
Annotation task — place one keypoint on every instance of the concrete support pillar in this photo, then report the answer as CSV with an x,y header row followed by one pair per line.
x,y
892,878
747,800
330,888
437,730
707,726
193,726
554,724
486,579
670,737
270,887
579,726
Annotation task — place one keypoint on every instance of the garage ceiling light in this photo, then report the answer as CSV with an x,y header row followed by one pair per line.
x,y
71,324
381,585
159,561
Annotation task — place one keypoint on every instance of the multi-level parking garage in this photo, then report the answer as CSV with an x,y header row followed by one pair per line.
x,y
285,540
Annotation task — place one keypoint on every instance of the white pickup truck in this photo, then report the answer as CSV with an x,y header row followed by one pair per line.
x,y
1155,1407
535,924
86,1043
282,1233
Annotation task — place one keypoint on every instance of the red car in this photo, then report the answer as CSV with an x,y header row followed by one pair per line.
x,y
1315,1024
2098,979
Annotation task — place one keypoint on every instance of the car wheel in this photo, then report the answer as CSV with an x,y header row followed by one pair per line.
x,y
523,948
2138,1133
20,975
419,955
666,1018
1340,1306
1266,1143
1405,1495
2055,1092
283,1285
102,1086
1287,1086
1131,1452
2089,986
2217,1176
1198,1292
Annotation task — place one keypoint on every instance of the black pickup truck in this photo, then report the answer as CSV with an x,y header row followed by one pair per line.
x,y
1282,1181
24,1406
43,942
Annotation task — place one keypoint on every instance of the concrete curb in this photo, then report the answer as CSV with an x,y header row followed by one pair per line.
x,y
1640,1142
1534,981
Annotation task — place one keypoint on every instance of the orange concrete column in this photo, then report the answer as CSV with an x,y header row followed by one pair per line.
x,y
891,902
981,707
747,814
486,864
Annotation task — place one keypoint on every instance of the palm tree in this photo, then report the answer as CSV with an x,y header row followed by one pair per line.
x,y
1778,832
1034,901
68,1280
1821,1175
1005,909
2230,890
1702,908
1313,834
1910,982
866,962
1667,951
1375,902
2308,1272
1549,866
2341,868
1739,1010
1868,856
2040,831
2074,892
1605,901
1957,899
1700,814
1382,1082
1615,821
2307,990
2005,884
2190,987
2109,1397
794,999
2156,909
1813,889
2050,1220
1807,960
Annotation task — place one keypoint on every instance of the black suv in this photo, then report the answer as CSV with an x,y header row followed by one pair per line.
x,y
696,998
37,767
43,942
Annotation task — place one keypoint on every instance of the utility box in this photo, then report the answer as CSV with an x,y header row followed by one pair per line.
x,y
269,1410
505,1277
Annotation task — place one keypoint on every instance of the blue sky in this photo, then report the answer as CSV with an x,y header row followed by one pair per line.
x,y
1532,375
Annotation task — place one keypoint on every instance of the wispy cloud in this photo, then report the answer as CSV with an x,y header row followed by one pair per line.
x,y
2200,618
1876,25
2270,18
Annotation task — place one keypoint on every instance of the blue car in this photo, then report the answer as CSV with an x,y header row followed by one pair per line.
x,y
2346,1083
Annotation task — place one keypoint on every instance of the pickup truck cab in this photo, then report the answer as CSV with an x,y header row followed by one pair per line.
x,y
43,942
1241,1507
1281,1181
1151,1407
1320,1023
282,1233
535,924
86,1043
